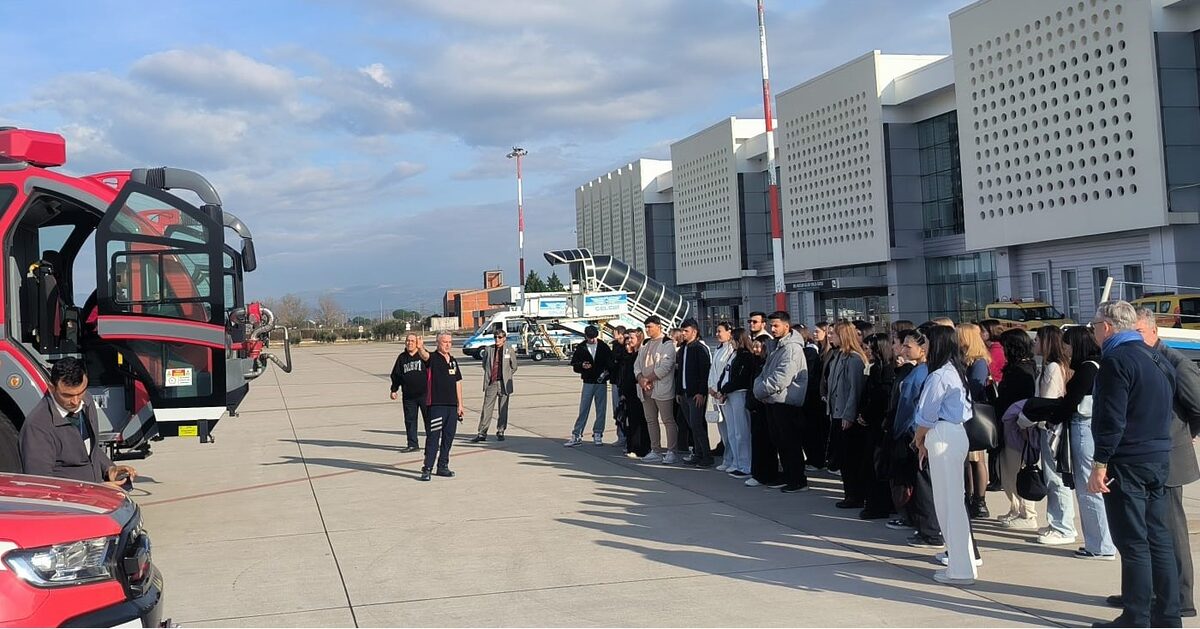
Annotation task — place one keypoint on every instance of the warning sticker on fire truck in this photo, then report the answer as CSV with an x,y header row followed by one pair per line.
x,y
179,377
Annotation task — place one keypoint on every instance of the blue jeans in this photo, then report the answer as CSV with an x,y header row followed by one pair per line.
x,y
1137,511
1060,504
1096,537
592,392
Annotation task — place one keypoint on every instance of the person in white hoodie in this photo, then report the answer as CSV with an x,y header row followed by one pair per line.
x,y
782,386
720,365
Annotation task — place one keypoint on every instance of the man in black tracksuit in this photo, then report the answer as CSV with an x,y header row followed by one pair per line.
x,y
443,395
694,364
408,376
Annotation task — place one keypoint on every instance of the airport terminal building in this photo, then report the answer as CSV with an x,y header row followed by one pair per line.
x,y
1056,147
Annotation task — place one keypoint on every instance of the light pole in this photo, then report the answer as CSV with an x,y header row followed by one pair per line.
x,y
518,153
772,178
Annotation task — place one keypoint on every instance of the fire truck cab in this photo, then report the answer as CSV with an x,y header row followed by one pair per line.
x,y
169,342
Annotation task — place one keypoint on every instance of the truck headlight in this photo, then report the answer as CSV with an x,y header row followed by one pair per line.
x,y
85,561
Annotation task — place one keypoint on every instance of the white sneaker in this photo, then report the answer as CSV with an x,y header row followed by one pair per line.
x,y
670,458
942,576
722,468
750,482
944,559
1056,538
1020,523
572,442
632,455
1008,517
598,439
653,457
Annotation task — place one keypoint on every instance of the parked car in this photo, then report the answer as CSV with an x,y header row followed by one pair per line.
x,y
74,554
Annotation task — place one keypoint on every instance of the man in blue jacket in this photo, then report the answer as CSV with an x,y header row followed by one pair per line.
x,y
1131,426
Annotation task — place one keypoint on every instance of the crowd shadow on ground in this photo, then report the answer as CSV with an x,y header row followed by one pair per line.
x,y
855,557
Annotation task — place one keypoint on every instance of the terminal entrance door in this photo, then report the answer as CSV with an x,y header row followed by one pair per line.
x,y
838,306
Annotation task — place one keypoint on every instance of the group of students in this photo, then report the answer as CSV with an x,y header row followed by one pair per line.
x,y
887,412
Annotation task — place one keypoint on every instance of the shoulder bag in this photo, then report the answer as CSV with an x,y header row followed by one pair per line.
x,y
983,431
1031,484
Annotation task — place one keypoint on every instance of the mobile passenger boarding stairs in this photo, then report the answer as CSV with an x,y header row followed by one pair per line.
x,y
604,292
617,294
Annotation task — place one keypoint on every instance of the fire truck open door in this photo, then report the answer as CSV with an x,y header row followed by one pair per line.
x,y
160,301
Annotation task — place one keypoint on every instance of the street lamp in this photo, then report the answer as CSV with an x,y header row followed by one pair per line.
x,y
518,153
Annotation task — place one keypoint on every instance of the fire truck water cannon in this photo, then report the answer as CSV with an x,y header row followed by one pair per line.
x,y
255,323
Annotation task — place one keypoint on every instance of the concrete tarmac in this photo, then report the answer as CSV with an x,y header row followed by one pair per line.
x,y
304,512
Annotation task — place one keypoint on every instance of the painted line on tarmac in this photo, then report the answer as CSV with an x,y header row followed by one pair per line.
x,y
305,479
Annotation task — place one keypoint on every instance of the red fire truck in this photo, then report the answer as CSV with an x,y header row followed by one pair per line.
x,y
169,342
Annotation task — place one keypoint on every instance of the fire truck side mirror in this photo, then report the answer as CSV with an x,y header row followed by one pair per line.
x,y
249,263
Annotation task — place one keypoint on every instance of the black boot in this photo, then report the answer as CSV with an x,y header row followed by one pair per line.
x,y
978,509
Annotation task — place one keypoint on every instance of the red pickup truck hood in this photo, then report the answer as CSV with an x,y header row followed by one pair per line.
x,y
40,511
24,493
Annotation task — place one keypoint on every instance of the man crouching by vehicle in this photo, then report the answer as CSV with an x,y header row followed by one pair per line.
x,y
60,436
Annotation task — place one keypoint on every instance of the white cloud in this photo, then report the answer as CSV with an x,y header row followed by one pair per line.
x,y
378,73
215,77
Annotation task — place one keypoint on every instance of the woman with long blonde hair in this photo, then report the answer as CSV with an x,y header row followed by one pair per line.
x,y
847,377
977,358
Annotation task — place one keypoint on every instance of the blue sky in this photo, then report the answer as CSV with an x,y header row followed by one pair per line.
x,y
364,141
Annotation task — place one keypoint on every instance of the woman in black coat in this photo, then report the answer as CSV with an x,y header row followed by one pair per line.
x,y
877,394
1019,383
764,455
637,435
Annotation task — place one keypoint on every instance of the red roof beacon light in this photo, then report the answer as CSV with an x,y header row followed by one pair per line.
x,y
38,148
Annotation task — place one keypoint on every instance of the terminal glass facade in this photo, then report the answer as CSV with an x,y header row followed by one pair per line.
x,y
960,286
941,176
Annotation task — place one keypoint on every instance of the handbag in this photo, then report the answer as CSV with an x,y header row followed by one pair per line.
x,y
1031,483
712,413
983,431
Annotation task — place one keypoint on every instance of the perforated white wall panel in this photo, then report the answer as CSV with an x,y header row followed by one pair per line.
x,y
1058,119
610,213
707,228
832,179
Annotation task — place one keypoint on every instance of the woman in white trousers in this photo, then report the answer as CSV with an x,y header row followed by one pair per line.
x,y
942,444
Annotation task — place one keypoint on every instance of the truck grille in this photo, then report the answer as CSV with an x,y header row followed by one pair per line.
x,y
133,556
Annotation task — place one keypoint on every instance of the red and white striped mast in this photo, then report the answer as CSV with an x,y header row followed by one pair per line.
x,y
518,153
772,178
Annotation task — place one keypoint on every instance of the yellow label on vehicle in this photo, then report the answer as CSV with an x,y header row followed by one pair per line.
x,y
189,431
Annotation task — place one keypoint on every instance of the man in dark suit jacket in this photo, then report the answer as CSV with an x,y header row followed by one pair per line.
x,y
1184,468
499,365
60,437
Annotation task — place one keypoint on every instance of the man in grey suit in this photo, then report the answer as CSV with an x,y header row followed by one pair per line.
x,y
1184,468
499,365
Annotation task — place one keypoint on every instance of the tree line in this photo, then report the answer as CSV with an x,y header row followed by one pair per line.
x,y
294,311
